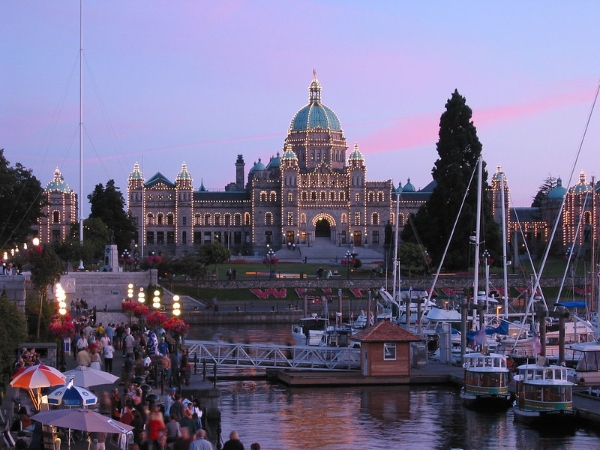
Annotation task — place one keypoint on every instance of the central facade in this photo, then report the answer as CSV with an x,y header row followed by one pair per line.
x,y
314,192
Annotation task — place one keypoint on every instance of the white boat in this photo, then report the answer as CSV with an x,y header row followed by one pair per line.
x,y
586,363
485,381
310,330
339,337
544,395
361,321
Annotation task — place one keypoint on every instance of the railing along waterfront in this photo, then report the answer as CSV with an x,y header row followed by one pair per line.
x,y
275,356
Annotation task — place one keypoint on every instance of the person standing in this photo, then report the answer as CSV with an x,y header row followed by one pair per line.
x,y
201,443
95,359
129,343
234,442
109,353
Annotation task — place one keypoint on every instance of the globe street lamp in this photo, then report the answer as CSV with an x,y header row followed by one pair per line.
x,y
61,298
348,257
176,306
125,255
156,299
271,258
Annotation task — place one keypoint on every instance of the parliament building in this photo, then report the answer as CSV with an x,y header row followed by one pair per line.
x,y
315,189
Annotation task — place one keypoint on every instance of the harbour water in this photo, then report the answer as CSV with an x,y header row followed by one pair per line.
x,y
388,417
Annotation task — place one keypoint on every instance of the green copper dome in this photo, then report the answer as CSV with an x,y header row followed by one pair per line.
x,y
136,174
58,184
184,174
356,155
582,187
289,154
315,115
409,187
557,192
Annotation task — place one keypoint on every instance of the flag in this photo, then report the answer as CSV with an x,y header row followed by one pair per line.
x,y
537,345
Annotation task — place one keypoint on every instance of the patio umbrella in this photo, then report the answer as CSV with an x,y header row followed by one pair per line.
x,y
71,396
38,376
81,419
86,376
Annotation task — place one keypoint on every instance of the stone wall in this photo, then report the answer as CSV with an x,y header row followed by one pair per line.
x,y
16,287
104,289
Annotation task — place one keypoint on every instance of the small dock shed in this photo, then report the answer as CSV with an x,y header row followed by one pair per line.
x,y
385,350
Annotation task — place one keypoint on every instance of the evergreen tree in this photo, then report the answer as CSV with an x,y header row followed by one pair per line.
x,y
108,205
459,149
213,253
20,203
548,184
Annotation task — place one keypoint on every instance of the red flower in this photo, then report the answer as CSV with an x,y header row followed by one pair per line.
x,y
156,319
62,326
176,326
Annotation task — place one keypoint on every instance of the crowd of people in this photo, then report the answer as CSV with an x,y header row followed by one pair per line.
x,y
171,423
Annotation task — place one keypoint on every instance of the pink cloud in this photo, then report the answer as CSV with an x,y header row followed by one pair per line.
x,y
406,133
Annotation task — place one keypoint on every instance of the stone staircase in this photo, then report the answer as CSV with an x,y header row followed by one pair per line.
x,y
323,250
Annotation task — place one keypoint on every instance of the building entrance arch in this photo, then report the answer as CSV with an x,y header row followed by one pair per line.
x,y
323,223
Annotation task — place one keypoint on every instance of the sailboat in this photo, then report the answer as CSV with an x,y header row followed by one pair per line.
x,y
486,374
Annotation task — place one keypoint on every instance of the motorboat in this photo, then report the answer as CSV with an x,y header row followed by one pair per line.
x,y
544,395
339,337
310,330
486,380
586,363
361,321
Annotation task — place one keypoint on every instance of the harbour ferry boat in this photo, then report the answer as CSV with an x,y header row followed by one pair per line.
x,y
486,381
544,395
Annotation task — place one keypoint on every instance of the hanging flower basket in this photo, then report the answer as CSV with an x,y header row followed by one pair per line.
x,y
156,319
135,308
62,326
176,326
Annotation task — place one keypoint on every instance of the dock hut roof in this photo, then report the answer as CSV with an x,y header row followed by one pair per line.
x,y
384,331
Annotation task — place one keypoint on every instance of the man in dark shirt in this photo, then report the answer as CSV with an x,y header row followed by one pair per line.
x,y
234,442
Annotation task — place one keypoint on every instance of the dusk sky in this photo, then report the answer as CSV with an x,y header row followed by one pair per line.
x,y
167,82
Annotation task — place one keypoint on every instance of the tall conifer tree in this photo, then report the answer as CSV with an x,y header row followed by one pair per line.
x,y
458,148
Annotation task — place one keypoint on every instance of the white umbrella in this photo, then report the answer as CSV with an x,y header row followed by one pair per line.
x,y
72,396
86,376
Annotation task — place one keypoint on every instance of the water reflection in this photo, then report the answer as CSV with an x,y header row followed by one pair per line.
x,y
397,417
377,417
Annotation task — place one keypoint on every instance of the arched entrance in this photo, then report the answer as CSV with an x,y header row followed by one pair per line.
x,y
323,228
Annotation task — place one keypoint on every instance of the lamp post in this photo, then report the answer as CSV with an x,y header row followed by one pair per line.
x,y
348,256
271,257
156,299
125,255
62,310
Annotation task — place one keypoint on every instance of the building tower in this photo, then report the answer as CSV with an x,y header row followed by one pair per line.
x,y
60,210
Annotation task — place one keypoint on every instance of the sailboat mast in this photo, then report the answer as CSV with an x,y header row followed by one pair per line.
x,y
478,234
396,271
81,121
504,235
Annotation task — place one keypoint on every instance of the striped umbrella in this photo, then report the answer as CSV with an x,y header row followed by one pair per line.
x,y
38,376
71,396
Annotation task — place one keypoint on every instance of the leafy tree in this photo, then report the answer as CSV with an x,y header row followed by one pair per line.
x,y
412,257
459,150
213,253
13,331
549,183
95,236
20,203
108,205
46,268
32,310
